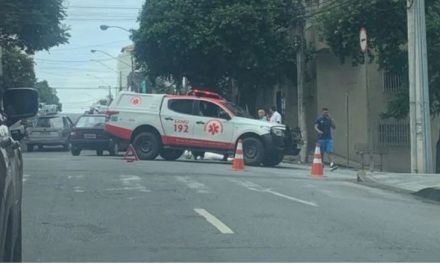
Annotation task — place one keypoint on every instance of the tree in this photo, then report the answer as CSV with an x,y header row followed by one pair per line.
x,y
18,69
47,94
32,25
387,34
210,41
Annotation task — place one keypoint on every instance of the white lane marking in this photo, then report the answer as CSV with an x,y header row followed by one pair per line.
x,y
25,177
128,189
214,221
75,177
131,182
78,189
255,187
192,184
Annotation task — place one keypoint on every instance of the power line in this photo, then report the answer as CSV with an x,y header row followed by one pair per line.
x,y
68,61
105,7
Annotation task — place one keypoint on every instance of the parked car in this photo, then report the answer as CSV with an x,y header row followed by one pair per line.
x,y
88,133
18,104
50,130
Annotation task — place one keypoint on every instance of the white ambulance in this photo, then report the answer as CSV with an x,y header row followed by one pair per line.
x,y
167,125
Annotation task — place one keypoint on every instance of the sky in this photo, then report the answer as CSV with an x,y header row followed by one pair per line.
x,y
70,68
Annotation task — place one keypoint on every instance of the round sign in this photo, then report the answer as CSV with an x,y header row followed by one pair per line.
x,y
213,127
136,100
363,40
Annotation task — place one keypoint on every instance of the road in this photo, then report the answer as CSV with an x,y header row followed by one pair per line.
x,y
91,208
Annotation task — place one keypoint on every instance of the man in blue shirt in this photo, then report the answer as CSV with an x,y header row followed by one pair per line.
x,y
323,126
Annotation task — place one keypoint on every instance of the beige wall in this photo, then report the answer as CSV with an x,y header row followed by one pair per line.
x,y
336,82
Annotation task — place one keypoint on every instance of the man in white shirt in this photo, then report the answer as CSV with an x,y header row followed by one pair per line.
x,y
275,117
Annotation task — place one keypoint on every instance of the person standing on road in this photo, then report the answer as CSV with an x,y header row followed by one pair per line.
x,y
324,125
275,117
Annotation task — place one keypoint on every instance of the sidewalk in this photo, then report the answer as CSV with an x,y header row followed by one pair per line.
x,y
422,185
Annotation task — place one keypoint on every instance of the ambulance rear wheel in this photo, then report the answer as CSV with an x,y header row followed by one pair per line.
x,y
171,154
147,145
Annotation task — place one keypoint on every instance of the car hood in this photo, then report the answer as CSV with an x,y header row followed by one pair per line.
x,y
256,122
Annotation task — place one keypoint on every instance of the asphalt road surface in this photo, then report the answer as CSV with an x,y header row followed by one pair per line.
x,y
91,208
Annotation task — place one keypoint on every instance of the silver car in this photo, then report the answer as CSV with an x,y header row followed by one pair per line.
x,y
49,130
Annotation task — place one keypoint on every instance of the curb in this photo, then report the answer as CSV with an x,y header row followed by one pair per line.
x,y
430,193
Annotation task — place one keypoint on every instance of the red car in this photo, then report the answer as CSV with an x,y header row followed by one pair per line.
x,y
88,134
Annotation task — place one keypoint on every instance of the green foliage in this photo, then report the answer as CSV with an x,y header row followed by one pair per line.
x,y
18,69
385,21
47,94
32,25
210,41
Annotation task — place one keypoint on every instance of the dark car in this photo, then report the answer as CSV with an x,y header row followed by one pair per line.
x,y
18,104
88,133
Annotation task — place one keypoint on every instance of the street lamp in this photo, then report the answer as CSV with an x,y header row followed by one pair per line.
x,y
105,27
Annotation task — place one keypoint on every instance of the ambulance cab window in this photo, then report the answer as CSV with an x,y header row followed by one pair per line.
x,y
181,106
209,109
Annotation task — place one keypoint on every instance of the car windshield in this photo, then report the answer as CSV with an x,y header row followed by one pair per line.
x,y
50,122
237,110
91,122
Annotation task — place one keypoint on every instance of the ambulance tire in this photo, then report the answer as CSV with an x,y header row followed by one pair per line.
x,y
171,154
253,151
273,160
147,145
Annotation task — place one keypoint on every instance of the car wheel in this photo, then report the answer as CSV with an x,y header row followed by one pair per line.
x,y
253,151
75,151
30,147
114,149
273,160
171,154
147,145
99,152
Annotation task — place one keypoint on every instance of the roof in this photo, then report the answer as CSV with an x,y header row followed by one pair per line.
x,y
195,98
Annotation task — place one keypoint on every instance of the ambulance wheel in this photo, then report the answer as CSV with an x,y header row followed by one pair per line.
x,y
273,160
171,154
253,151
147,145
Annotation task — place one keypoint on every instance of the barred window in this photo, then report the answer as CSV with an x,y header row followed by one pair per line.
x,y
393,132
392,82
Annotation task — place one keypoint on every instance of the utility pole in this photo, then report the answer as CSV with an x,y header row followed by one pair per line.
x,y
300,67
419,111
120,80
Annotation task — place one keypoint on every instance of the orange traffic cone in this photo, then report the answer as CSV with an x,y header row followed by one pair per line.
x,y
238,163
317,169
130,155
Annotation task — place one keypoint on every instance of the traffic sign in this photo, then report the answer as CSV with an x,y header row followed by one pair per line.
x,y
363,40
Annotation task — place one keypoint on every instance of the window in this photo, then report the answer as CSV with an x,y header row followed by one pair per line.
x,y
392,82
237,110
91,121
209,109
50,122
393,132
181,106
